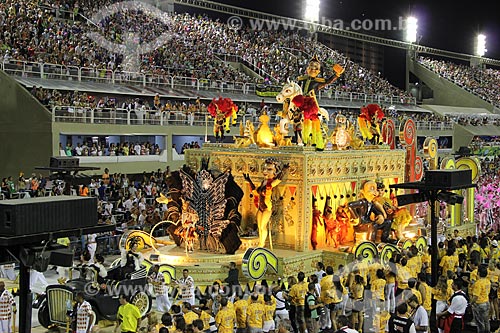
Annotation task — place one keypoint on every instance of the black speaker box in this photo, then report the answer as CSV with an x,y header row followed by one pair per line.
x,y
63,258
447,179
47,214
64,162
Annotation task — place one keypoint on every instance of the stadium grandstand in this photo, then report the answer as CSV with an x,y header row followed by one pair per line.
x,y
90,79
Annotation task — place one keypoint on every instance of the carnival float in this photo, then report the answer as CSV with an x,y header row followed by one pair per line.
x,y
277,201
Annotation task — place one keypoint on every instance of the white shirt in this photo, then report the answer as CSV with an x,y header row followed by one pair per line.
x,y
108,209
79,150
458,304
280,303
319,274
420,317
127,204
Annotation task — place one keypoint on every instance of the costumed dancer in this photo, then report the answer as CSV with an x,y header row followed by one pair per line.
x,y
311,84
343,218
187,231
8,306
330,223
222,110
84,314
130,261
186,286
273,174
157,279
368,122
316,222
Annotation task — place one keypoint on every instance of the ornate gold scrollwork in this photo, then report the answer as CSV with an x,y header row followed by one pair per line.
x,y
240,166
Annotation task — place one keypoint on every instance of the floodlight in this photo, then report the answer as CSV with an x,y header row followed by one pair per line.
x,y
481,45
411,29
311,12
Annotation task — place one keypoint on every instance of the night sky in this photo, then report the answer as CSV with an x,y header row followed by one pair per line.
x,y
442,24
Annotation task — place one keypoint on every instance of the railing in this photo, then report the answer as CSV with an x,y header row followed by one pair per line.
x,y
434,125
120,116
87,74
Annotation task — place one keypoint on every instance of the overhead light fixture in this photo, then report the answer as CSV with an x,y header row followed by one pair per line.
x,y
411,29
481,45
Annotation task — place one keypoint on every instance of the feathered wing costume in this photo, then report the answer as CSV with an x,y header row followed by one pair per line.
x,y
222,110
368,122
215,198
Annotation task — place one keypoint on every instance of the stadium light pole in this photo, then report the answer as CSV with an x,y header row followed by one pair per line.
x,y
411,29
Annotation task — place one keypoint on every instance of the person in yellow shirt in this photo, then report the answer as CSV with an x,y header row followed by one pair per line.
x,y
414,263
441,250
362,266
479,300
426,262
373,268
255,315
336,295
225,318
493,274
129,316
205,314
188,314
412,284
325,287
297,295
473,274
449,262
426,292
494,251
378,290
240,309
402,276
441,294
357,291
269,311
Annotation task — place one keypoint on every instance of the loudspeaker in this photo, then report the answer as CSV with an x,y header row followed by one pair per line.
x,y
64,162
46,214
63,258
448,179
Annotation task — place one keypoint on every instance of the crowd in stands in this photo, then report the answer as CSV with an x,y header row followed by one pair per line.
x,y
33,33
475,120
483,82
114,149
190,145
